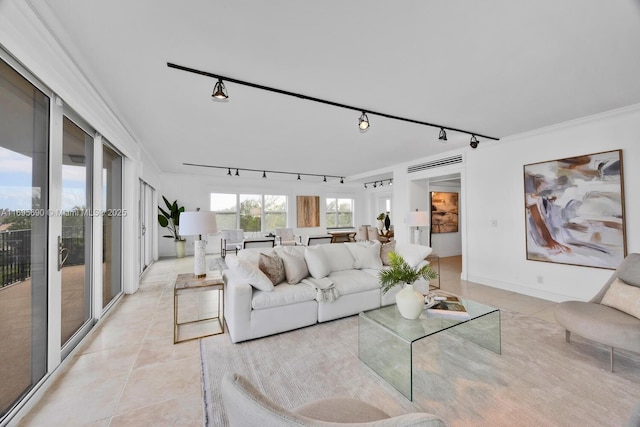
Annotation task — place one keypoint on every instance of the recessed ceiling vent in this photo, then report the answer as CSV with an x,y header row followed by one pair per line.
x,y
453,160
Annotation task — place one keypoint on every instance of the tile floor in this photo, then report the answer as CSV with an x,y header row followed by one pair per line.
x,y
129,372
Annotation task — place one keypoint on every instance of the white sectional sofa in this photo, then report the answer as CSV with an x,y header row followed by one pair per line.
x,y
255,307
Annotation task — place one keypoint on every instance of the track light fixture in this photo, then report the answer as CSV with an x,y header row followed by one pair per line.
x,y
361,123
264,172
378,183
219,91
474,142
443,135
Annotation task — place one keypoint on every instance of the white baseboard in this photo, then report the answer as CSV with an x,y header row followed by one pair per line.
x,y
525,290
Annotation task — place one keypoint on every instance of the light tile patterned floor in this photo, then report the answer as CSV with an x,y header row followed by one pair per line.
x,y
130,373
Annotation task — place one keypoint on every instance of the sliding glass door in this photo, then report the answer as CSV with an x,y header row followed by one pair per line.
x,y
24,171
111,224
77,155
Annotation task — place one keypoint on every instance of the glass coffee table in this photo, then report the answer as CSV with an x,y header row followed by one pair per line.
x,y
385,338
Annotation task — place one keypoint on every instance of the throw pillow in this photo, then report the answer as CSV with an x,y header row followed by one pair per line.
x,y
413,254
366,254
339,256
317,261
295,267
623,297
250,273
272,266
385,250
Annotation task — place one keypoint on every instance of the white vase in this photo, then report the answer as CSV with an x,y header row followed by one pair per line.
x,y
410,302
180,248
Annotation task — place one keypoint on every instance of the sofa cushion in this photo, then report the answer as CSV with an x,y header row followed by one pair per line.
x,y
272,266
252,255
317,261
249,273
295,267
365,254
413,254
283,294
339,256
353,281
623,297
385,250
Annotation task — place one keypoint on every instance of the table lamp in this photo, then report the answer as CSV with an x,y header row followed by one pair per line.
x,y
196,224
417,219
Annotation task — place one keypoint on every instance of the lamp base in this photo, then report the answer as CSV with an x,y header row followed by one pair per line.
x,y
199,260
417,236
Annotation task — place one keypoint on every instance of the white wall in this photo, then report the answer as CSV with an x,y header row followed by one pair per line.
x,y
496,255
193,191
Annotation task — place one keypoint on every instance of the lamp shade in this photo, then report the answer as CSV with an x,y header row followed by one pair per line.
x,y
195,223
417,219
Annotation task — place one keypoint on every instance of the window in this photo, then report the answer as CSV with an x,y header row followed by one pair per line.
x,y
339,213
254,213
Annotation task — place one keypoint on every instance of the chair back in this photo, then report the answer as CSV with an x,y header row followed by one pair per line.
x,y
628,271
319,240
258,243
232,236
362,233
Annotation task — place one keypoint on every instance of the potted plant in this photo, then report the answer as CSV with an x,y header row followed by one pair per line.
x,y
409,301
170,219
380,219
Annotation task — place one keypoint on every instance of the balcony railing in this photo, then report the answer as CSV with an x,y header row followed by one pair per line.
x,y
15,253
15,256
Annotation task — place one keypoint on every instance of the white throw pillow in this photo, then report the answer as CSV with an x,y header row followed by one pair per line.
x,y
317,261
366,254
339,256
250,273
413,254
295,267
623,297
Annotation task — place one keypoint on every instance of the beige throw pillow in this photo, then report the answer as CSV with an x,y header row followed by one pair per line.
x,y
623,297
385,250
295,267
272,266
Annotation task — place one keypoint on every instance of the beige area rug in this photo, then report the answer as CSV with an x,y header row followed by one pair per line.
x,y
539,380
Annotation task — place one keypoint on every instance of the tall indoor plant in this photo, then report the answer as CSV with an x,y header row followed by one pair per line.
x,y
409,301
170,219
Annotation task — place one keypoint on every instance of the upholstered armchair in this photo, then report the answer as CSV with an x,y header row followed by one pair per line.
x,y
247,407
285,237
231,241
363,233
258,243
612,316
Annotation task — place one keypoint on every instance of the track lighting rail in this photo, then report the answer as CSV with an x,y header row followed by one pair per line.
x,y
322,101
266,171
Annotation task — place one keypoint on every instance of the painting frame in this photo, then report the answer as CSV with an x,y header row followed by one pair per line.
x,y
444,212
308,211
574,210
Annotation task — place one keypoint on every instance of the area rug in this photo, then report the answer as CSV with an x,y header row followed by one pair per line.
x,y
538,380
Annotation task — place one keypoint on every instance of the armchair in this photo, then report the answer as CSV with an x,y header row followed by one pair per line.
x,y
285,237
258,243
603,323
319,240
246,406
231,240
373,234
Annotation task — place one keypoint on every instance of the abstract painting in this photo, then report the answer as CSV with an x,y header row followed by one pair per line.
x,y
574,210
444,212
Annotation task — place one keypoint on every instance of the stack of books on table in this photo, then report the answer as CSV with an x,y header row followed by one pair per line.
x,y
447,306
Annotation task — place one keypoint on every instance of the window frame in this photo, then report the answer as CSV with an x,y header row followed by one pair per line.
x,y
263,211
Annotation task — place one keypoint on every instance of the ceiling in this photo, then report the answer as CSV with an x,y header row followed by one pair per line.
x,y
496,67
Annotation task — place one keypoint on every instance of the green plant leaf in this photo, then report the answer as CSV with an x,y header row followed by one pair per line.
x,y
163,221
